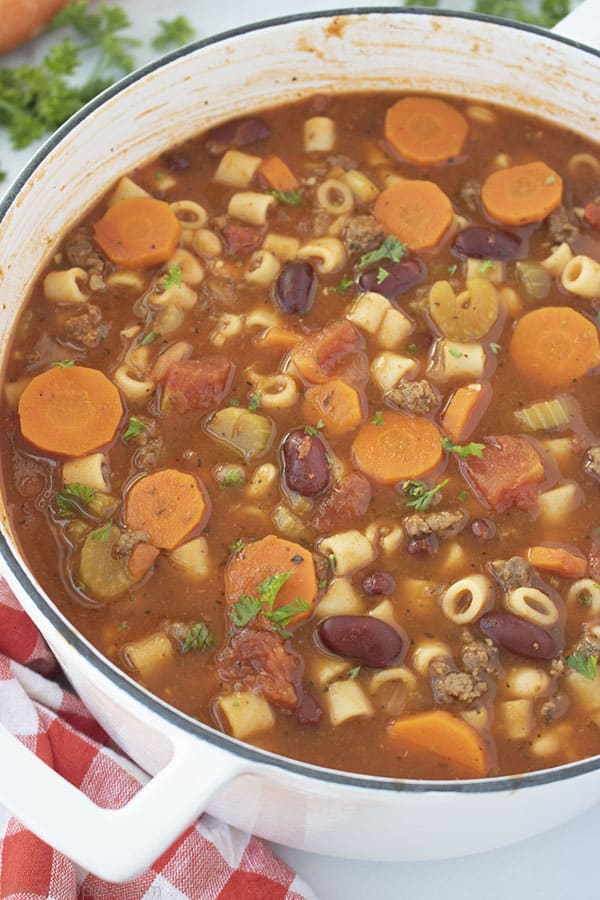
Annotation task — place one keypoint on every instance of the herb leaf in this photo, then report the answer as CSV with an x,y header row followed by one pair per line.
x,y
391,249
289,198
198,637
63,363
73,495
344,284
245,609
102,534
421,496
584,664
173,277
135,427
378,418
173,33
232,477
463,450
236,546
254,402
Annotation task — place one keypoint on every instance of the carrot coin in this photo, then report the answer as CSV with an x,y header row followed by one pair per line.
x,y
70,410
394,447
521,195
138,232
167,505
425,131
555,345
418,213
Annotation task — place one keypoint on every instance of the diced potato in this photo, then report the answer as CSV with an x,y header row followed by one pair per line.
x,y
385,611
327,669
149,654
515,718
388,368
559,502
237,169
561,449
193,558
246,713
125,190
347,700
586,691
340,600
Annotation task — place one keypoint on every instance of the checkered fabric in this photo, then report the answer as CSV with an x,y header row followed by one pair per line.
x,y
210,861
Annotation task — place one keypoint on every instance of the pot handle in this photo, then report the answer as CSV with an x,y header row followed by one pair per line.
x,y
582,25
114,844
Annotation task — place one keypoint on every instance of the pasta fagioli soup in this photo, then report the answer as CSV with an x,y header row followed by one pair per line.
x,y
301,431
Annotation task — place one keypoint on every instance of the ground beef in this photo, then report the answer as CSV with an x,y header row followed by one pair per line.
x,y
451,686
592,462
414,396
588,644
512,573
554,707
257,660
469,194
561,226
443,524
126,543
87,329
81,251
362,234
478,657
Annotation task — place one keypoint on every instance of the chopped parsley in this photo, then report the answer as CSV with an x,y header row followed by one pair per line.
x,y
353,673
421,496
378,418
487,265
245,609
234,402
382,274
495,348
236,546
454,352
63,363
584,598
151,336
248,607
198,637
391,249
308,429
463,496
232,477
173,277
550,179
452,269
124,625
173,33
331,561
463,450
72,497
254,402
551,11
584,664
344,284
412,349
289,198
135,427
103,534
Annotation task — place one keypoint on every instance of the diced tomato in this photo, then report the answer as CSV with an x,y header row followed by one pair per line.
x,y
349,500
591,214
241,238
259,660
197,383
335,351
510,472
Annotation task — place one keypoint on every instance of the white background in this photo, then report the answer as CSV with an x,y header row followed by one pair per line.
x,y
559,865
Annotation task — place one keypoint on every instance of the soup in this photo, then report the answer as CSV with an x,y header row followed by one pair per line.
x,y
300,432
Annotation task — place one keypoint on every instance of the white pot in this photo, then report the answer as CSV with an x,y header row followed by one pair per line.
x,y
198,768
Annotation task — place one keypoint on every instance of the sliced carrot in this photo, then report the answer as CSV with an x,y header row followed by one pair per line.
x,y
276,336
335,351
399,447
440,733
141,559
138,232
521,195
278,174
167,505
70,410
465,409
418,213
424,130
554,345
559,560
335,403
270,556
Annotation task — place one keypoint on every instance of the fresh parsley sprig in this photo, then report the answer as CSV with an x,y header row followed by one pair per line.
x,y
463,450
288,198
583,663
391,249
73,496
198,637
248,607
421,496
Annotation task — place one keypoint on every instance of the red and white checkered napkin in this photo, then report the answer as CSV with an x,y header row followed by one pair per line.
x,y
210,861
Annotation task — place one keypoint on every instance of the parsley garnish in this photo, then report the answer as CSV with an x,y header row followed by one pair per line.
x,y
73,495
378,418
135,427
173,33
352,674
103,534
198,637
173,277
412,348
421,496
486,265
232,477
551,11
124,625
454,352
289,198
151,336
248,607
234,402
245,609
550,179
343,285
584,664
64,363
382,274
463,450
391,249
254,402
236,546
585,598
463,496
331,561
308,429
452,269
495,348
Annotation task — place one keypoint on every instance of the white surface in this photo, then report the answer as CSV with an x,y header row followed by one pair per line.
x,y
552,866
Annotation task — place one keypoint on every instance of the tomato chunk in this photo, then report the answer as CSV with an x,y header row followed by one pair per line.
x,y
335,351
510,472
197,383
591,214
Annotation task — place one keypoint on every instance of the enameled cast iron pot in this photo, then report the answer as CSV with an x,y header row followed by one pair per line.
x,y
194,767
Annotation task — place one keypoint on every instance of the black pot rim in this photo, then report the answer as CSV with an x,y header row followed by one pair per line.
x,y
92,656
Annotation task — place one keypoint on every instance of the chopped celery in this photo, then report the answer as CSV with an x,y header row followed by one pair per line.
x,y
104,575
536,280
546,415
246,432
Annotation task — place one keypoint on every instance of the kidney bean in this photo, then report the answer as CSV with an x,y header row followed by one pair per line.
x,y
367,640
401,277
295,288
485,242
421,546
308,711
518,635
177,162
483,528
378,583
306,469
238,133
